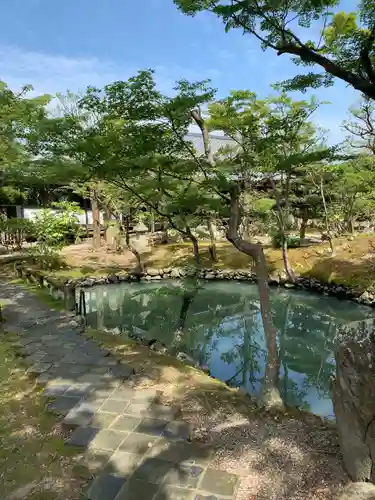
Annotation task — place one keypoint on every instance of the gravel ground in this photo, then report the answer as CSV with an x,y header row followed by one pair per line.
x,y
277,457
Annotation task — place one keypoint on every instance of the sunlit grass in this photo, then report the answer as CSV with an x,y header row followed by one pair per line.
x,y
32,447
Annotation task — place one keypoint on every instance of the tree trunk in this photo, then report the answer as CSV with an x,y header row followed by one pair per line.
x,y
106,220
152,221
212,246
96,236
195,243
354,399
302,229
271,398
281,223
326,218
87,218
133,250
288,268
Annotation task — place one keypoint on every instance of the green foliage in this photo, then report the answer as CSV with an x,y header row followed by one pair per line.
x,y
14,232
312,32
291,241
53,229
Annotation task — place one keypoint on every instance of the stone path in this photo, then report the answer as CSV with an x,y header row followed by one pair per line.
x,y
137,447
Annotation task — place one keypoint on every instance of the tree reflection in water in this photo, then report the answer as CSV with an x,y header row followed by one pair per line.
x,y
219,325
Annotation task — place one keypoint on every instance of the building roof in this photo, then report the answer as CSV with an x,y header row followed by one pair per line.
x,y
217,141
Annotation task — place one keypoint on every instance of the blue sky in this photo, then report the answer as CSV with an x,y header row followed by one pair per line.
x,y
75,43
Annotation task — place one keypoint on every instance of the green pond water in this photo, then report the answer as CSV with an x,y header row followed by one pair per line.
x,y
222,329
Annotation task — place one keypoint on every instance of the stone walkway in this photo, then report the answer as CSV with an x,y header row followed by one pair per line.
x,y
137,447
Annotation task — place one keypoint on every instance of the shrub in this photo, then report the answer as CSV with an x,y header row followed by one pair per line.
x,y
14,232
291,241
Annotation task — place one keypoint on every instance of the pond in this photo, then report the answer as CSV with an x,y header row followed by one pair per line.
x,y
221,328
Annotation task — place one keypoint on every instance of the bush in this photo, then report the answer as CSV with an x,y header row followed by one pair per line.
x,y
54,229
14,232
291,241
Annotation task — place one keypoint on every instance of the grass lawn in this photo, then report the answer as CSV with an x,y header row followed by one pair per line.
x,y
34,463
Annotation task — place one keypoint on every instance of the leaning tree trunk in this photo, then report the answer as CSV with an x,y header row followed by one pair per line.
x,y
195,243
271,398
354,399
96,236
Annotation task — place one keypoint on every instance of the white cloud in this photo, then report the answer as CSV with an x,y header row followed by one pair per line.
x,y
54,73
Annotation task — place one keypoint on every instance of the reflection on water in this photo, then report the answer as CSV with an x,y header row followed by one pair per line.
x,y
222,328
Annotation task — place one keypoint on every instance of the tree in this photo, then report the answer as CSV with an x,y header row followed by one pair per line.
x,y
344,47
361,127
138,145
292,145
241,117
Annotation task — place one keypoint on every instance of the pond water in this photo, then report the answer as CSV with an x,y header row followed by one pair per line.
x,y
222,328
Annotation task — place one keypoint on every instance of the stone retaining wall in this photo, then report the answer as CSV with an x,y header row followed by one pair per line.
x,y
65,288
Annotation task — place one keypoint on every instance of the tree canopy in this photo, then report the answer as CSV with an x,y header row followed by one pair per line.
x,y
314,33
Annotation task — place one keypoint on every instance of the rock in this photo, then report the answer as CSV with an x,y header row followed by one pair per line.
x,y
175,273
358,491
366,298
209,276
289,285
185,358
112,278
153,272
155,278
354,398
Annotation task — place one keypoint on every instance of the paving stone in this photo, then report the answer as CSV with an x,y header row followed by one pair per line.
x,y
138,490
177,430
108,439
137,443
105,487
168,492
78,390
124,463
34,358
145,395
46,377
73,369
55,389
103,391
62,405
163,412
103,420
96,460
125,423
205,496
81,414
82,436
107,362
152,470
152,426
115,406
219,482
122,372
99,370
139,409
184,475
123,393
38,368
181,452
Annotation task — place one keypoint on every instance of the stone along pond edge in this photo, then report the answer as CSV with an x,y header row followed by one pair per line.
x,y
65,290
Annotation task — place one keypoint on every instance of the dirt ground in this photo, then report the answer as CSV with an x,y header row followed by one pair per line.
x,y
280,457
352,265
